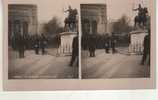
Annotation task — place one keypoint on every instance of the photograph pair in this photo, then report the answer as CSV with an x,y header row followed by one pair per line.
x,y
73,39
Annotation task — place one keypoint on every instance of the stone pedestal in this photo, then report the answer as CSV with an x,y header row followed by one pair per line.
x,y
66,43
136,41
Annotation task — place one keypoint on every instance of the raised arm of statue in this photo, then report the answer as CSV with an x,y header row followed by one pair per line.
x,y
136,9
69,9
66,10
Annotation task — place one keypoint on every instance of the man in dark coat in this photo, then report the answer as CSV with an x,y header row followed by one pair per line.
x,y
37,44
21,45
113,44
146,51
92,45
43,43
74,51
107,43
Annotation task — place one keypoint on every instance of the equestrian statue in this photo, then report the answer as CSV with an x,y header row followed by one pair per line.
x,y
142,17
71,21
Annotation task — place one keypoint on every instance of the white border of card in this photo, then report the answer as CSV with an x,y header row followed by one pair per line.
x,y
76,84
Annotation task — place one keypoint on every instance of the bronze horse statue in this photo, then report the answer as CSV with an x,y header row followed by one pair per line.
x,y
141,19
71,20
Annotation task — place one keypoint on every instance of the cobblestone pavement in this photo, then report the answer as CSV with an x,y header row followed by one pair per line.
x,y
119,65
49,66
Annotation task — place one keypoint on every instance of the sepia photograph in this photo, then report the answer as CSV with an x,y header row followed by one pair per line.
x,y
42,40
79,45
116,39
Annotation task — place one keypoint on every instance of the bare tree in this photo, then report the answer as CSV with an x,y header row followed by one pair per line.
x,y
122,25
53,27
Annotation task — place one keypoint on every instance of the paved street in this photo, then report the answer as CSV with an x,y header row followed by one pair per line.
x,y
47,66
50,66
119,65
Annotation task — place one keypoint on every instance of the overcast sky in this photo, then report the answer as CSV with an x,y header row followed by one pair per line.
x,y
49,8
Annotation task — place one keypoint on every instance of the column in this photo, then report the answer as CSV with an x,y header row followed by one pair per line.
x,y
21,28
90,22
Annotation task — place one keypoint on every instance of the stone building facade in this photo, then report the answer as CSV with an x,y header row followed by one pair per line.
x,y
94,18
22,19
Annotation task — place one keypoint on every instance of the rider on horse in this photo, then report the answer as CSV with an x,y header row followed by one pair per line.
x,y
70,10
142,15
140,10
71,19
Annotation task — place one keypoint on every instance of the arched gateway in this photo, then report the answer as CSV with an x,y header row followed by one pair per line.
x,y
93,19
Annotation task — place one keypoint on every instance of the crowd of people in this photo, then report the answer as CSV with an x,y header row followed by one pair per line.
x,y
21,43
38,43
93,42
